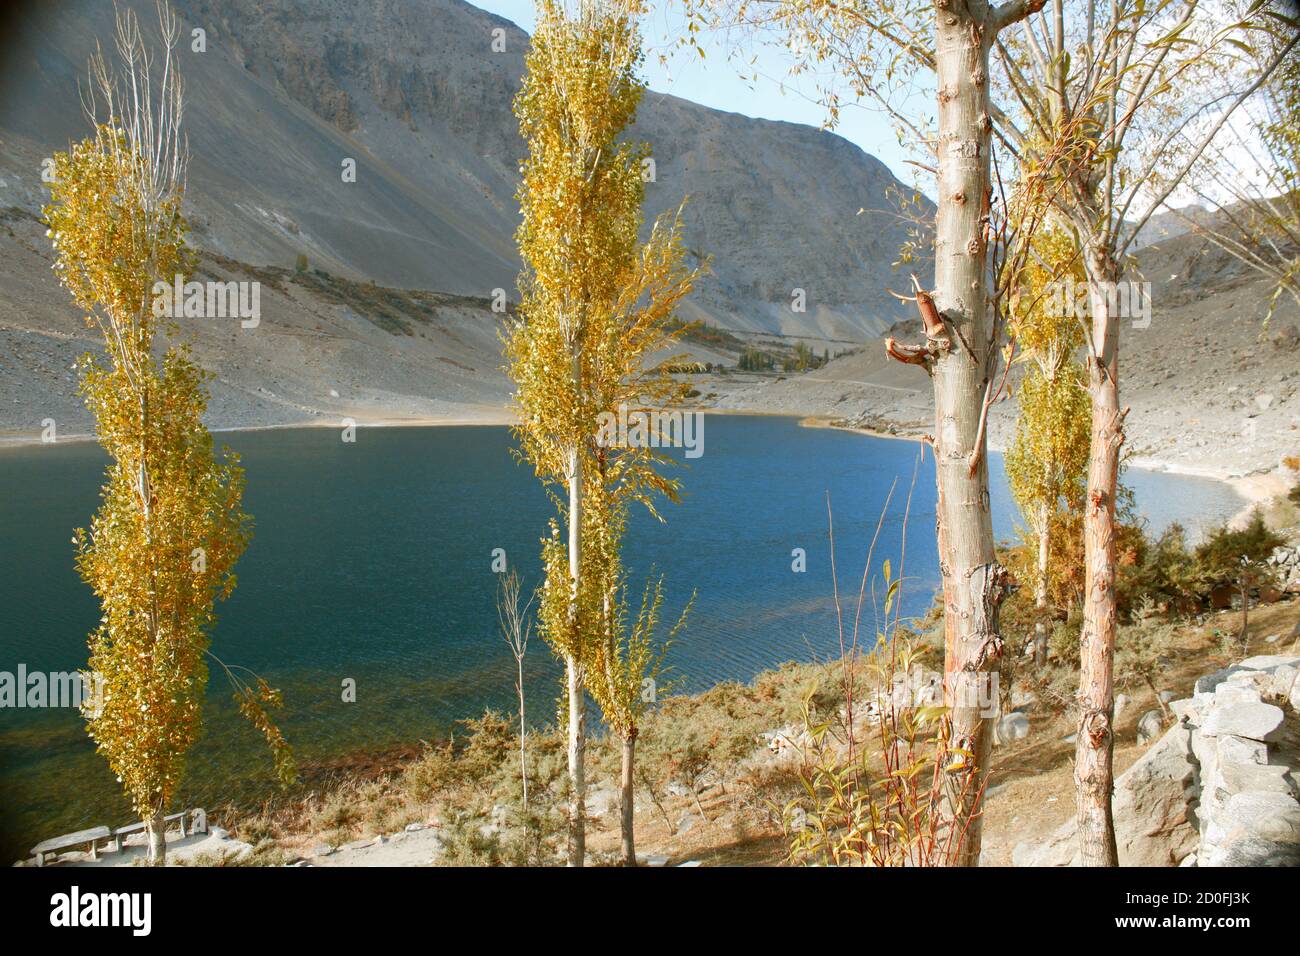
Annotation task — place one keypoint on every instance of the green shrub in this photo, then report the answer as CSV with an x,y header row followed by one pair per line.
x,y
1164,573
1063,642
434,772
1220,557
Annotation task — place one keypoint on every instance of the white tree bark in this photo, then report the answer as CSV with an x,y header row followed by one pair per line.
x,y
973,582
155,828
576,659
1040,594
577,761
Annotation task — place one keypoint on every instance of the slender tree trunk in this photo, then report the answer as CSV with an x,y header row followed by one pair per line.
x,y
577,761
1244,583
1040,595
523,732
577,700
627,797
973,583
1094,745
155,827
144,486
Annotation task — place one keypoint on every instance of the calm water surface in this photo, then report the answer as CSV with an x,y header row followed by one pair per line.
x,y
372,561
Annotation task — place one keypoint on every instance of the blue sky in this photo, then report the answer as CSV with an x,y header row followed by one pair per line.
x,y
715,82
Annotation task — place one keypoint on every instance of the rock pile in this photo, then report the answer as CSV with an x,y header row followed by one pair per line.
x,y
1285,562
1219,788
1247,808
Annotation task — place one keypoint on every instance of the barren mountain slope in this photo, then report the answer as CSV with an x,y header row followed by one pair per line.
x,y
413,91
324,349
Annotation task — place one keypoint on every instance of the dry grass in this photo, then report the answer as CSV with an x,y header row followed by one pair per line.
x,y
1031,789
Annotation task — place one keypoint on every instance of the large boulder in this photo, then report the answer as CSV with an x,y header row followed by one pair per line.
x,y
1254,721
1153,807
1238,777
1250,851
1236,692
1267,662
1206,683
1013,726
1257,828
1242,750
1284,682
1150,726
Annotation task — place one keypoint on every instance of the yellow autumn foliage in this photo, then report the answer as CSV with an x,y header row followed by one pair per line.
x,y
597,304
161,549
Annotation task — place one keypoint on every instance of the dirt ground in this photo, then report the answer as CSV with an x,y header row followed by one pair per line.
x,y
1031,789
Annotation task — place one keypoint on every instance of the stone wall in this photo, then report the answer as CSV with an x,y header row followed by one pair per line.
x,y
1217,789
1285,563
1245,747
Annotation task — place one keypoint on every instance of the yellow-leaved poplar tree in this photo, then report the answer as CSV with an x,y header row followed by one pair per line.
x,y
1047,463
162,547
596,305
628,656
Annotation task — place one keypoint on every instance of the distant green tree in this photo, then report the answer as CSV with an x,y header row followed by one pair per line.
x,y
1220,556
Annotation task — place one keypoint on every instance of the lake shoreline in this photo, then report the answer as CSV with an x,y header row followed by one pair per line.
x,y
500,417
1254,489
26,439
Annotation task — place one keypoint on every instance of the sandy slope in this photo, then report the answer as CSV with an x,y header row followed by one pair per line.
x,y
324,349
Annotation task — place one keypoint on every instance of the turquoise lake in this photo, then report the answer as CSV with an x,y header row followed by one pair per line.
x,y
372,561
